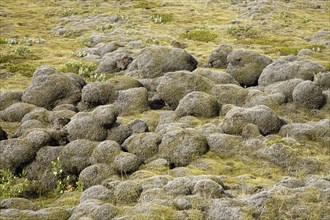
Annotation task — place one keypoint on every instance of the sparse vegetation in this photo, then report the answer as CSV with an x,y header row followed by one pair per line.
x,y
12,185
242,31
63,181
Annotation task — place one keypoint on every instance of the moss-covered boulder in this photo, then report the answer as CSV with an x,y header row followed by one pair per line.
x,y
309,95
285,87
225,145
175,85
105,152
133,100
84,126
126,163
16,111
217,77
199,104
282,70
75,156
230,94
50,88
180,147
143,145
218,57
7,98
266,120
155,61
95,174
127,192
246,66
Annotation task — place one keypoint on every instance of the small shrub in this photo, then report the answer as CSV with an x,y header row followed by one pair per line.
x,y
161,18
242,32
305,19
200,35
11,185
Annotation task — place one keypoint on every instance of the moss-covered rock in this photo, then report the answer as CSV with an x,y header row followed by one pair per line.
x,y
199,104
217,77
127,192
16,111
95,174
180,147
229,94
126,163
246,66
84,126
175,85
105,152
266,120
75,156
132,101
282,70
143,145
50,88
7,98
155,61
309,95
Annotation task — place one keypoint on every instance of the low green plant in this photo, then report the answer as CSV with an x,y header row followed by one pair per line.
x,y
11,41
161,18
21,50
284,16
80,53
242,31
200,35
85,39
305,19
84,69
11,185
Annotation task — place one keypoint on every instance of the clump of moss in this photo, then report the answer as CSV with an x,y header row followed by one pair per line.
x,y
200,35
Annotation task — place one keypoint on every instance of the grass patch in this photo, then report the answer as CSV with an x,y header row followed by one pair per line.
x,y
200,35
146,4
161,18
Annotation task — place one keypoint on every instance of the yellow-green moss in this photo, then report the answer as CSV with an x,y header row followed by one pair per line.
x,y
200,35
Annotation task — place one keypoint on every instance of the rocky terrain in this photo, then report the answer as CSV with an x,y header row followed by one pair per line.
x,y
126,110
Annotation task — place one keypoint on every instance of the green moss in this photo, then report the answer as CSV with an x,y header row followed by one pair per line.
x,y
22,68
200,35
